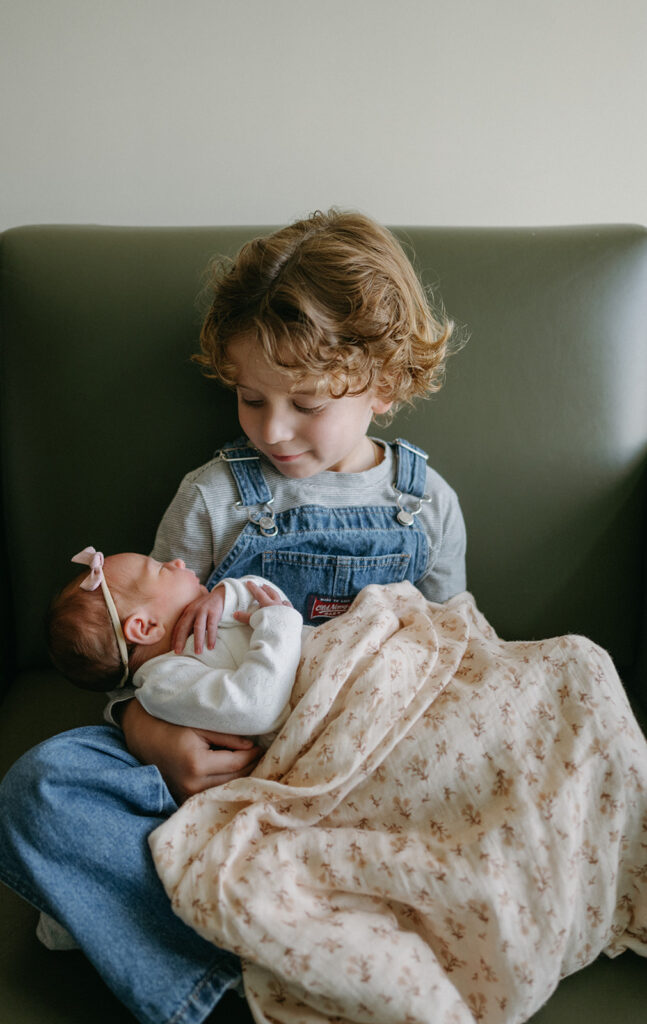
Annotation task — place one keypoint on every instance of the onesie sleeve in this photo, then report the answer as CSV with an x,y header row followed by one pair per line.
x,y
247,700
116,697
238,598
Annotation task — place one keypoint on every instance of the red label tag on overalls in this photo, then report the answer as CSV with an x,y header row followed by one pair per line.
x,y
327,607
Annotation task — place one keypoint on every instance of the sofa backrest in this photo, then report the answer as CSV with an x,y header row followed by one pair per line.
x,y
541,426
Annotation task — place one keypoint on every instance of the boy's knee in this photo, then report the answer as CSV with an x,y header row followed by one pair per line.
x,y
22,797
59,784
25,773
75,789
58,761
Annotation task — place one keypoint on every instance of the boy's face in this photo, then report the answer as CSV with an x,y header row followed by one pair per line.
x,y
301,432
167,587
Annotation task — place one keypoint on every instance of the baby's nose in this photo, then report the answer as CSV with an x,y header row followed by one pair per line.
x,y
179,563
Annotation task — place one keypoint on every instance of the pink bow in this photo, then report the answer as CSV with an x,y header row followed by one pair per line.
x,y
94,559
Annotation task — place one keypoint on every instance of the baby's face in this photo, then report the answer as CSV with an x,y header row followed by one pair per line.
x,y
167,586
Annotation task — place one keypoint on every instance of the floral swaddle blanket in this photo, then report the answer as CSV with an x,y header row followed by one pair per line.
x,y
447,824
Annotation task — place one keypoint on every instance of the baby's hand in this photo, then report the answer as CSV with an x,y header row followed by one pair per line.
x,y
265,596
201,618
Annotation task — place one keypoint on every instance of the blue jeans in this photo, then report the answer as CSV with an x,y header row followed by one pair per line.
x,y
75,816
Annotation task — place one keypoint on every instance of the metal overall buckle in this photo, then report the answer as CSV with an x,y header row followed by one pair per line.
x,y
407,513
263,519
223,456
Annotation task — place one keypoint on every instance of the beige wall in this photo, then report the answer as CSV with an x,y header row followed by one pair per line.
x,y
257,111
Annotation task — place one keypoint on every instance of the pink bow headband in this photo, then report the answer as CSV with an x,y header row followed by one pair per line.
x,y
96,578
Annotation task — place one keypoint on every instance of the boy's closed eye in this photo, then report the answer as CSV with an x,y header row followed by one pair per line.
x,y
307,410
310,410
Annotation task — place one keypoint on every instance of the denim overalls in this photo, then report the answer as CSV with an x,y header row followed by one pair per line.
x,y
322,557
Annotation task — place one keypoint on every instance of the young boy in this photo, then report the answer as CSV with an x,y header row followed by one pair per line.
x,y
319,327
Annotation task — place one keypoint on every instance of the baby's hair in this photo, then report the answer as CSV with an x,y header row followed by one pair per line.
x,y
81,639
332,297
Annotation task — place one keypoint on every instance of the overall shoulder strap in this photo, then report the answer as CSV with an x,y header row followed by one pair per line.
x,y
411,468
245,465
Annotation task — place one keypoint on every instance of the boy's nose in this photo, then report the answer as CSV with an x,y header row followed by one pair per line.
x,y
179,563
276,427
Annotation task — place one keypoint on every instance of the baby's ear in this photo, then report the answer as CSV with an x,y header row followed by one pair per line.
x,y
143,628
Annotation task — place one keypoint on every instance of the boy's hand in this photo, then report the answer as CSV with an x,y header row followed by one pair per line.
x,y
265,596
201,618
185,757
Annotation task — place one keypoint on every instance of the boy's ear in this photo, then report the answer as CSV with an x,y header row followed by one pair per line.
x,y
382,400
381,405
143,628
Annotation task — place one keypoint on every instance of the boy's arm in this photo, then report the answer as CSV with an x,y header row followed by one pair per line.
x,y
189,760
446,576
248,700
185,531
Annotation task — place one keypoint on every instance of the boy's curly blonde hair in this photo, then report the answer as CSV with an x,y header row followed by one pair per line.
x,y
332,297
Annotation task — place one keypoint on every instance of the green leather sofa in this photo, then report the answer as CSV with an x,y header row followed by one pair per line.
x,y
541,428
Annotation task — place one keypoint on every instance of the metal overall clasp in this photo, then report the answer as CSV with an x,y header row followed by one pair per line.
x,y
407,512
264,518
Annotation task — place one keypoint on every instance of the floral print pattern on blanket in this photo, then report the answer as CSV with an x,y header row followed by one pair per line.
x,y
446,825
